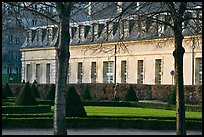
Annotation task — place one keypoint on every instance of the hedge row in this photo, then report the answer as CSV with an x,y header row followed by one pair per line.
x,y
105,91
50,115
25,109
98,123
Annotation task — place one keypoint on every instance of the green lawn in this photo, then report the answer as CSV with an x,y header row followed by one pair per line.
x,y
135,111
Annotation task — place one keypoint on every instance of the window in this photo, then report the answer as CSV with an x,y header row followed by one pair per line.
x,y
198,71
100,29
140,74
86,31
38,73
17,40
28,72
158,71
34,22
131,25
93,72
148,23
10,38
48,73
115,27
126,28
73,32
68,72
108,72
123,71
80,72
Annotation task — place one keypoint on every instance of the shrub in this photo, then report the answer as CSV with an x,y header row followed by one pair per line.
x,y
35,91
172,98
86,94
50,94
130,95
74,106
26,97
7,91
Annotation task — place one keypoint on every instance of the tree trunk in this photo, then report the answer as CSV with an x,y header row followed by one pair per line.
x,y
180,102
63,56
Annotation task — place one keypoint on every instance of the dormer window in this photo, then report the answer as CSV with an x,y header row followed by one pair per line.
x,y
73,31
86,30
100,29
115,27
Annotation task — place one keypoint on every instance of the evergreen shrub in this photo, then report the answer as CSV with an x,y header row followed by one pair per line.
x,y
130,95
74,106
172,98
26,97
35,91
86,94
50,93
7,92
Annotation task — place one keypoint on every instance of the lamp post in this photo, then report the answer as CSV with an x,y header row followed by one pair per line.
x,y
193,47
115,88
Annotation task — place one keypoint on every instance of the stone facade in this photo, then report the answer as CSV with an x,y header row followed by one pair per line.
x,y
147,61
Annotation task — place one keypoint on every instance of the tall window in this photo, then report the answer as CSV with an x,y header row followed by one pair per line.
x,y
93,72
38,73
198,71
28,72
123,71
108,72
80,72
158,71
140,74
11,38
48,73
68,72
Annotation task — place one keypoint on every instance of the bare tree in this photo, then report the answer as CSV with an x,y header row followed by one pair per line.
x,y
145,13
171,19
180,16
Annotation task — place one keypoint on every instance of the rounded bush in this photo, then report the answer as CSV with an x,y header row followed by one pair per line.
x,y
26,97
86,94
74,106
172,98
130,95
50,94
35,91
7,91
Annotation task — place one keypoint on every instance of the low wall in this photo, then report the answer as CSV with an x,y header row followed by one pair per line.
x,y
105,91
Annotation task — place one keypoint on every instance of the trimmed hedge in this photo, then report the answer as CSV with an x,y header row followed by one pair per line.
x,y
50,93
7,92
25,109
74,106
26,97
130,94
90,122
86,94
35,91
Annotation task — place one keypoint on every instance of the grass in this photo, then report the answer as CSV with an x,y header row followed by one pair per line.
x,y
135,111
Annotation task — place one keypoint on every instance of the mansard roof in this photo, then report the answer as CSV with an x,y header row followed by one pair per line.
x,y
100,27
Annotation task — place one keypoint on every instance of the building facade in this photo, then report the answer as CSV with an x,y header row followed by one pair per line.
x,y
105,49
144,61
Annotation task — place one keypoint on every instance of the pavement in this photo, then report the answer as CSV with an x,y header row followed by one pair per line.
x,y
102,131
